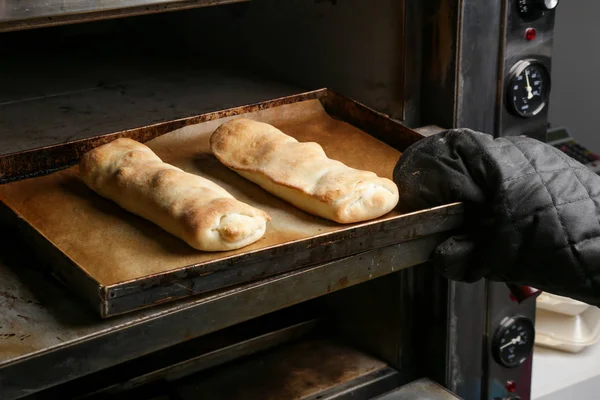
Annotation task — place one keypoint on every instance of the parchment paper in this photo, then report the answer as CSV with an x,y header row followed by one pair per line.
x,y
114,246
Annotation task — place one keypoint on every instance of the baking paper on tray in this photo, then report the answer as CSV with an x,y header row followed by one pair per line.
x,y
114,246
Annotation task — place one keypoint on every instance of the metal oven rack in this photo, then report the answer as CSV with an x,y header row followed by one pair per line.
x,y
43,326
19,14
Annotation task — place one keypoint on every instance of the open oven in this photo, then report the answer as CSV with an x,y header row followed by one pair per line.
x,y
321,311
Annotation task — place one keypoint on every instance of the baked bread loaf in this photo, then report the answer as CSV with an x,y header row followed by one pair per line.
x,y
301,173
188,206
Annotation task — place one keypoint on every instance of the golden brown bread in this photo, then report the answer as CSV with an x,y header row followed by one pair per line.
x,y
188,206
301,173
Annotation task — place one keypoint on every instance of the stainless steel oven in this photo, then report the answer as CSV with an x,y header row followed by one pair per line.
x,y
347,313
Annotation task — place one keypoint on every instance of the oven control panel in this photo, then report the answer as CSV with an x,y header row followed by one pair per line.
x,y
525,78
522,109
511,338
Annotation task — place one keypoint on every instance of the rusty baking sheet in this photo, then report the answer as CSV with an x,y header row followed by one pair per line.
x,y
16,15
307,369
121,263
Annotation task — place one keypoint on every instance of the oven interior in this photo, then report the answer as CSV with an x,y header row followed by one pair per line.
x,y
401,58
76,81
359,342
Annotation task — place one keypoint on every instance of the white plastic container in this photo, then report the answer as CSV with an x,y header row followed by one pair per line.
x,y
571,333
560,304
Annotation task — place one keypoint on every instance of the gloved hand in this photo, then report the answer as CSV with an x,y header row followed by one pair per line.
x,y
532,212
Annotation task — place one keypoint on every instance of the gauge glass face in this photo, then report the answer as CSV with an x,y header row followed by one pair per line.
x,y
529,89
515,342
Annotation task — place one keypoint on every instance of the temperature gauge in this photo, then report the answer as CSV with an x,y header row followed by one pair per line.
x,y
528,88
513,341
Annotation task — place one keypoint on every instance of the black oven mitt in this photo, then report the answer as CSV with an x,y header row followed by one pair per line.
x,y
532,213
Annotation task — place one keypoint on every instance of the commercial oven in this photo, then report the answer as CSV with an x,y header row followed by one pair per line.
x,y
330,312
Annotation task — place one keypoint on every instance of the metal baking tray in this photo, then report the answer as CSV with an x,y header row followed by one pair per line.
x,y
18,15
121,263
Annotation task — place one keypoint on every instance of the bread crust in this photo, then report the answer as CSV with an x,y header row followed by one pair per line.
x,y
301,173
193,208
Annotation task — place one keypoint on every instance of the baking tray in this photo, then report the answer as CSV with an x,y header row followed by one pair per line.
x,y
121,263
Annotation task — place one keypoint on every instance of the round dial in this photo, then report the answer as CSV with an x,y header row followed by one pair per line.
x,y
548,4
513,341
528,88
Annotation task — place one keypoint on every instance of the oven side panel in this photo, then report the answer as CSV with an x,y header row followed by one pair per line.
x,y
517,49
459,89
487,45
477,100
463,79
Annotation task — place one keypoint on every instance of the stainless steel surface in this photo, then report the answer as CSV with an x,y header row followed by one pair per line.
x,y
499,303
25,14
479,64
43,326
463,87
461,91
483,55
475,101
439,89
423,389
517,49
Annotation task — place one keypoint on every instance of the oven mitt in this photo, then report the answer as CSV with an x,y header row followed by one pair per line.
x,y
532,214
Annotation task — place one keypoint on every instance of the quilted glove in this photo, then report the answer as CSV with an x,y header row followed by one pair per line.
x,y
532,212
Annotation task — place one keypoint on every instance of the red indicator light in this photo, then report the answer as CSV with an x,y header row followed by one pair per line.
x,y
530,34
511,386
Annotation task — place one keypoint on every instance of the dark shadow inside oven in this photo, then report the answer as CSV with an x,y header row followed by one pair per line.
x,y
76,81
360,342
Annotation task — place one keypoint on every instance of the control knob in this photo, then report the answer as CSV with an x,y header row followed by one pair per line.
x,y
547,4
